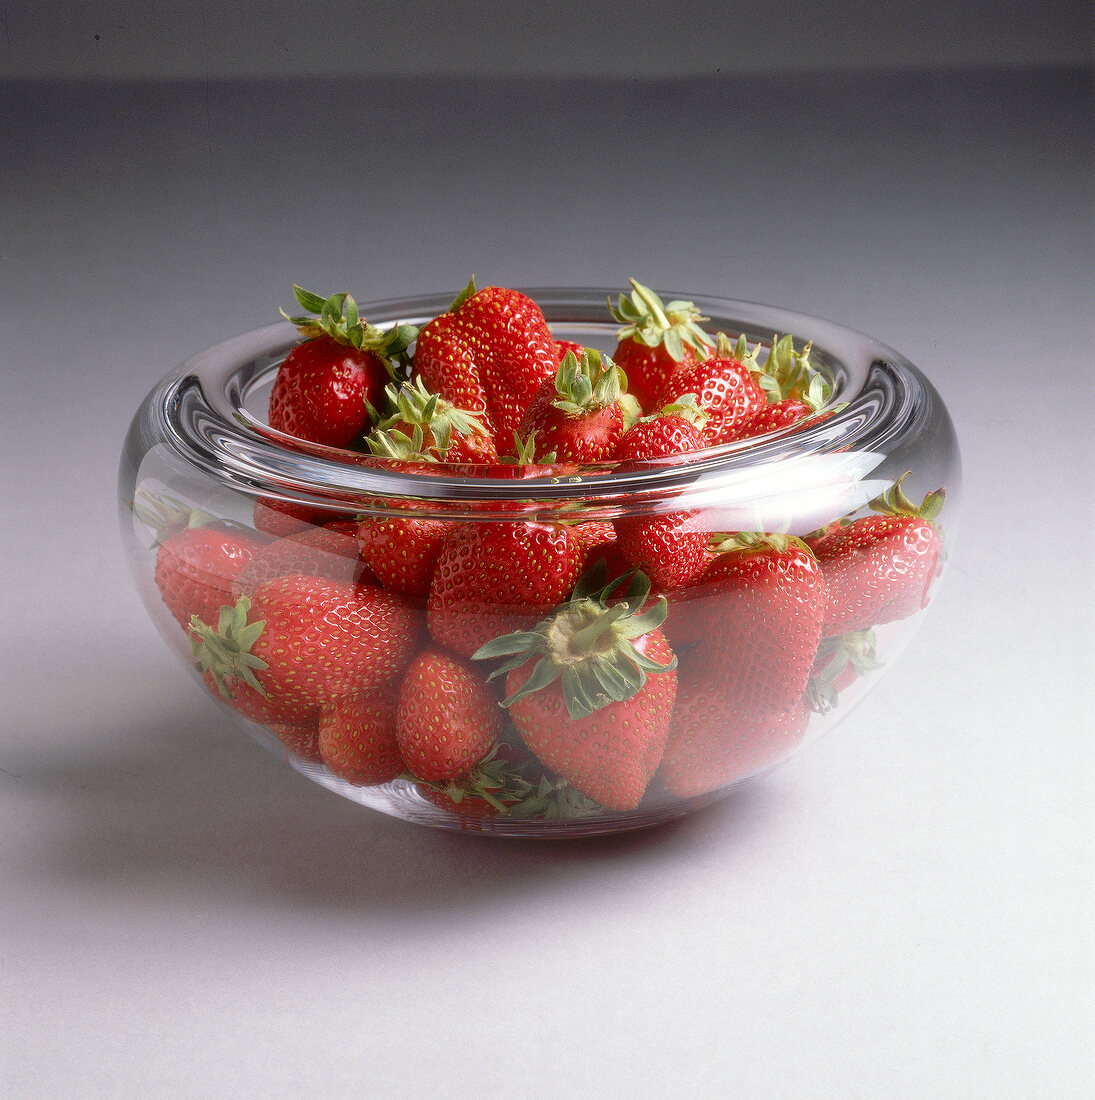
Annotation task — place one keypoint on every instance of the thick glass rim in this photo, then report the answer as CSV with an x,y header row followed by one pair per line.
x,y
199,414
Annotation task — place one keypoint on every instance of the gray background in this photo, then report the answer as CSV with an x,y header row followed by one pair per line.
x,y
900,910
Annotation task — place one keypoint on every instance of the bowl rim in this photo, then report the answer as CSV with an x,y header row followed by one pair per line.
x,y
199,413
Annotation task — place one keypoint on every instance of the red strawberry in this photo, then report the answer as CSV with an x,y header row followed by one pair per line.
x,y
491,578
422,425
576,415
671,547
710,745
196,569
658,341
488,355
303,641
324,387
357,739
563,346
755,614
591,690
796,392
601,544
880,568
448,719
330,552
302,741
724,387
402,550
279,518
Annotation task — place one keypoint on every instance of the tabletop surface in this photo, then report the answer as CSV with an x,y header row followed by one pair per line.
x,y
898,911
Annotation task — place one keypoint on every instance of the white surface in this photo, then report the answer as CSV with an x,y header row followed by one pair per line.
x,y
900,911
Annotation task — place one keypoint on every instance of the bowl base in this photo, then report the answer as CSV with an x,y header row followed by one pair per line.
x,y
404,800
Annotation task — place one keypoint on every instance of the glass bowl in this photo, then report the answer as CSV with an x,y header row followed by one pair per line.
x,y
199,453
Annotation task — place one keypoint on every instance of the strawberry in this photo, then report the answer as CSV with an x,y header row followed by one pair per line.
x,y
711,745
301,641
671,547
324,386
302,741
491,578
576,415
880,568
488,355
601,545
279,518
755,615
724,387
197,567
330,552
356,738
402,550
796,392
447,719
840,661
658,341
421,424
563,346
591,689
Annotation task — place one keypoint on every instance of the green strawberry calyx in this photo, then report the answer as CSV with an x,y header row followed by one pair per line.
x,y
413,405
894,502
785,373
588,384
224,651
493,779
338,317
756,542
687,407
651,322
166,515
587,643
855,651
468,292
524,452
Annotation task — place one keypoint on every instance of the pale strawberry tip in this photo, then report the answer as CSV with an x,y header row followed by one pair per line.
x,y
224,652
586,644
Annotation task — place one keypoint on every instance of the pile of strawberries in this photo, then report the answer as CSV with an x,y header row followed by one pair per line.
x,y
528,667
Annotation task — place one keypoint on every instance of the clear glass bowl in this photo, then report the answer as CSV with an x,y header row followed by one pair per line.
x,y
199,450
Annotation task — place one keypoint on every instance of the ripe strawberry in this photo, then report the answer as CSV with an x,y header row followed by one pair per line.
x,y
880,568
724,387
356,738
196,568
796,392
754,615
591,689
601,545
422,425
303,640
330,552
402,550
576,414
487,355
711,745
658,341
448,719
324,387
563,346
491,578
302,741
279,518
670,548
